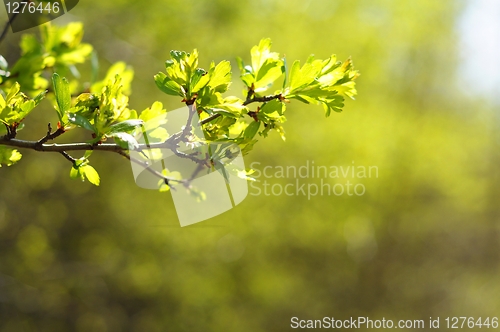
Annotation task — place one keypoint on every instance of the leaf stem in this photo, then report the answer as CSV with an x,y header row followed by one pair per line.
x,y
67,156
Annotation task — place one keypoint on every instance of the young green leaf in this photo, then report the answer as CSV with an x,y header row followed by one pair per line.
x,y
40,97
91,174
198,80
270,71
120,68
74,173
125,140
124,126
252,130
14,91
167,85
220,76
272,110
63,95
81,121
9,156
15,107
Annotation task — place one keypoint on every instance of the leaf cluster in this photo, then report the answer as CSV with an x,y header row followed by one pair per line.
x,y
102,107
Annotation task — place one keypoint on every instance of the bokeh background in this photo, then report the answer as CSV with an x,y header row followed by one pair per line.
x,y
423,241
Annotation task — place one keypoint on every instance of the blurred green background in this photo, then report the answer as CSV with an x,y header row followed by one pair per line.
x,y
423,241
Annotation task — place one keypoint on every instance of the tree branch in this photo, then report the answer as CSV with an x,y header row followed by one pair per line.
x,y
187,128
210,118
263,99
110,147
35,145
50,135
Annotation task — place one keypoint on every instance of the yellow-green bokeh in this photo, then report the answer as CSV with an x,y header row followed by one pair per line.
x,y
423,241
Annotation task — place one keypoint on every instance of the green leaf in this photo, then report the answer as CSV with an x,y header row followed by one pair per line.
x,y
113,106
87,100
272,110
124,126
270,71
198,80
9,156
156,110
91,174
40,97
15,107
266,67
231,106
251,130
159,133
302,99
246,73
167,85
81,121
181,67
63,95
14,91
335,104
26,107
8,115
301,77
227,112
154,116
81,169
121,69
220,77
261,53
74,173
126,141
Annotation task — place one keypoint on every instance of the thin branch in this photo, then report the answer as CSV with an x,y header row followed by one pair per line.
x,y
251,92
7,136
189,125
210,118
171,143
262,99
51,135
67,156
35,145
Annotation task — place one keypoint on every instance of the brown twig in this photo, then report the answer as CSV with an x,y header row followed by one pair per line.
x,y
67,156
50,135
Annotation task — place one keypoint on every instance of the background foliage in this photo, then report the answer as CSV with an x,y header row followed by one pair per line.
x,y
423,241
